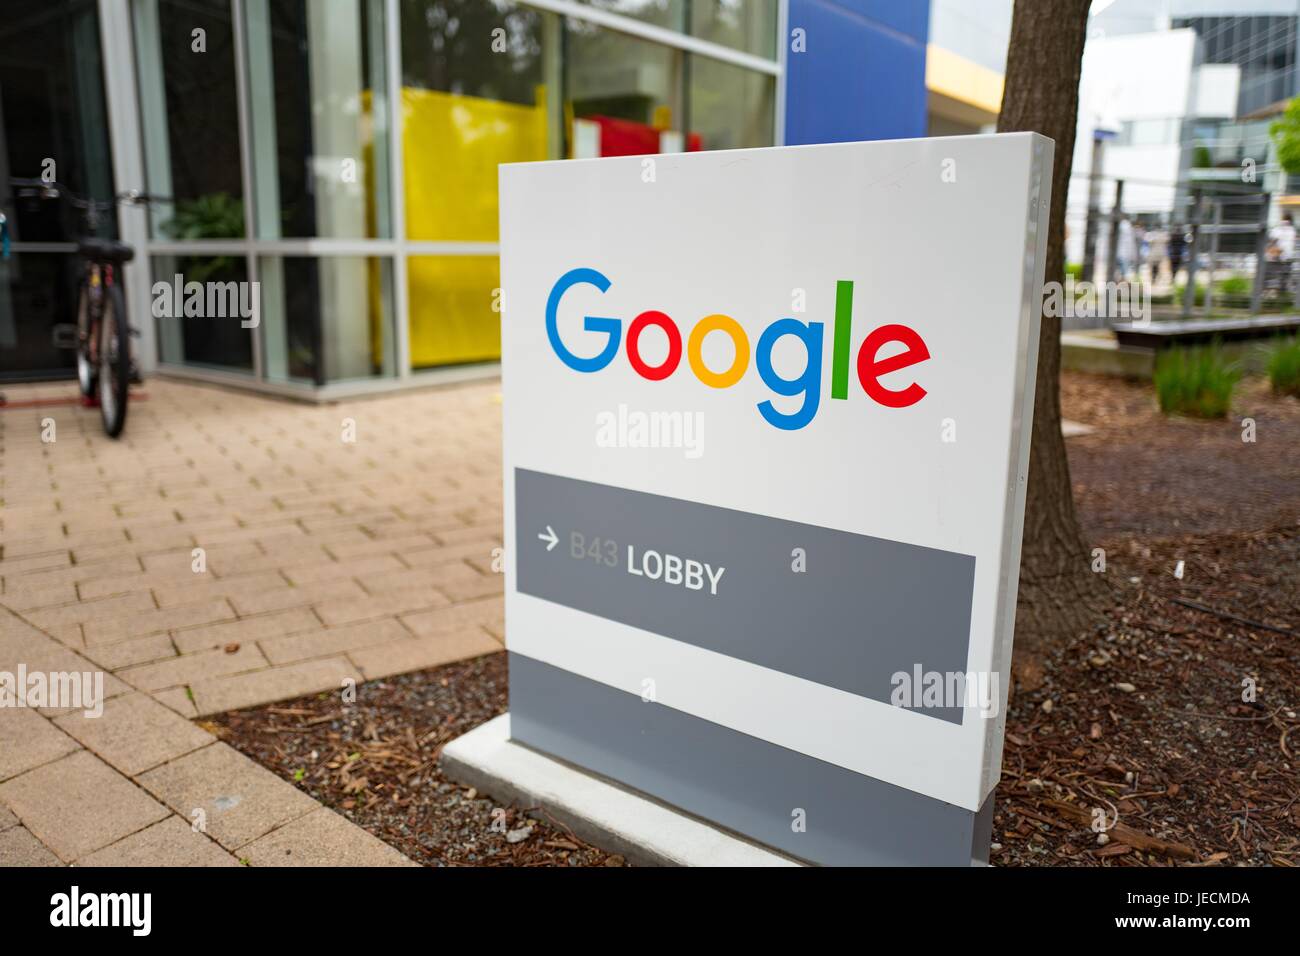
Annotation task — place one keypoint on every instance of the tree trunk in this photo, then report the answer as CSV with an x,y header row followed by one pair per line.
x,y
1060,596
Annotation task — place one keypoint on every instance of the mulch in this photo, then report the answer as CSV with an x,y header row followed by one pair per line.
x,y
1171,737
375,761
1142,745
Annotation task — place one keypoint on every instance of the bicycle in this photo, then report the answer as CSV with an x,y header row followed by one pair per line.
x,y
104,362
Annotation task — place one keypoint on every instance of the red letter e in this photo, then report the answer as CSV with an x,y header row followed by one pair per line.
x,y
870,370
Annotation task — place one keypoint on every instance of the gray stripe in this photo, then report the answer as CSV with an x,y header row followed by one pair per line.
x,y
744,783
865,608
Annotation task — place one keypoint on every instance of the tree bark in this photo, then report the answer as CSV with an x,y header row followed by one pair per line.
x,y
1060,596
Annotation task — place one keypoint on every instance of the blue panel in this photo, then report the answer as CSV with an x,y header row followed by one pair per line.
x,y
910,17
863,74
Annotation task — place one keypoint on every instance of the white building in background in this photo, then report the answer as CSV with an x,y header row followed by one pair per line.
x,y
964,64
1142,94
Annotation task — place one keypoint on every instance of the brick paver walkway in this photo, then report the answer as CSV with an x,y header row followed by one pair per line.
x,y
322,560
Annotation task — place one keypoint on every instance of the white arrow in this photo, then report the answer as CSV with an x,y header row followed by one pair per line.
x,y
550,538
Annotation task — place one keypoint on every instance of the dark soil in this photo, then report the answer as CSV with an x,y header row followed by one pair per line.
x,y
1147,721
376,762
1140,745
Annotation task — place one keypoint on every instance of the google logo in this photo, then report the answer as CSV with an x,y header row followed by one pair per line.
x,y
870,367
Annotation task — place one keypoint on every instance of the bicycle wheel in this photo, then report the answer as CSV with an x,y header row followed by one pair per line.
x,y
87,373
114,362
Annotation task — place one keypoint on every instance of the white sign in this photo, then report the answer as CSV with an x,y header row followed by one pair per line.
x,y
766,428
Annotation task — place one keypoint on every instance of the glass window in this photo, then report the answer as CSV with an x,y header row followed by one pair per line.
x,y
475,77
203,324
455,315
624,94
731,107
186,64
661,13
327,319
318,117
748,25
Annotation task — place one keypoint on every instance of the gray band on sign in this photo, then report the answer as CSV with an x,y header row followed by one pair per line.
x,y
845,610
803,806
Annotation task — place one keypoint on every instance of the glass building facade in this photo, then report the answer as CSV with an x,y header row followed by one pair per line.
x,y
342,154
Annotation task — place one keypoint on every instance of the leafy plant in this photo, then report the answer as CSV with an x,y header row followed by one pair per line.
x,y
213,216
1286,135
1284,367
1235,286
1195,381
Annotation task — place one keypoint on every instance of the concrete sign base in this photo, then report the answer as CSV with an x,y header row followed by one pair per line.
x,y
792,802
640,829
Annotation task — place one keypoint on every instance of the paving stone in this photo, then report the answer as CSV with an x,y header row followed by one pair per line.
x,y
7,818
452,554
173,842
143,650
288,597
98,543
135,733
467,589
336,570
20,642
180,700
157,620
19,848
16,563
276,683
189,668
246,630
114,585
421,652
345,551
48,657
332,641
321,838
352,611
487,613
28,740
241,800
79,804
103,609
18,598
490,534
205,587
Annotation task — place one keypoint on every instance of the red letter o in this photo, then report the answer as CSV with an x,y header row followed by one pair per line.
x,y
634,331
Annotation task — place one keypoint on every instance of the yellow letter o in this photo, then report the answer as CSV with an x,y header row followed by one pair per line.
x,y
695,347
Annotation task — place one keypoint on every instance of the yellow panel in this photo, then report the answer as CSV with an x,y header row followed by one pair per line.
x,y
451,146
452,317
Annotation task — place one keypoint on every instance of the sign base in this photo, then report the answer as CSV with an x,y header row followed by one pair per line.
x,y
810,809
640,829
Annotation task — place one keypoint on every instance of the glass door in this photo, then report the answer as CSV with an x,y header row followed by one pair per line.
x,y
53,124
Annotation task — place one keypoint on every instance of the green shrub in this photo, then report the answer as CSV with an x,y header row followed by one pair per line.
x,y
1195,381
1237,286
1074,269
1284,367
